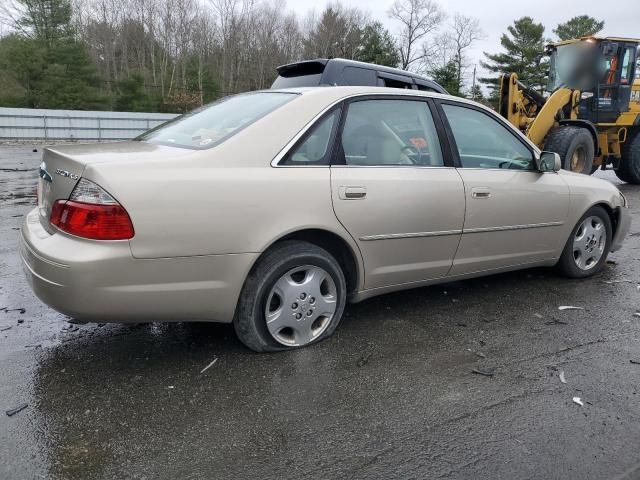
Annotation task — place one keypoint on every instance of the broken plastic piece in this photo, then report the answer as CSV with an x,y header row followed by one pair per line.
x,y
561,376
569,307
578,401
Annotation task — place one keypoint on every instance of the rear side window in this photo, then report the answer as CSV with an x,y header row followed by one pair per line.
x,y
314,149
213,124
390,132
483,142
358,76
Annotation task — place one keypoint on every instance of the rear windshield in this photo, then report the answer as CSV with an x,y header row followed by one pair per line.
x,y
212,124
298,81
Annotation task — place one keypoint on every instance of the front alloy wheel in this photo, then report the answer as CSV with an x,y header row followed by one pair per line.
x,y
587,248
589,242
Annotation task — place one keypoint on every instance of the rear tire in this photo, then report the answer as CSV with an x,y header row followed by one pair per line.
x,y
588,245
301,288
629,169
575,147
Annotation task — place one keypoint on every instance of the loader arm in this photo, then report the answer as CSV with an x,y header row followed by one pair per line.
x,y
546,118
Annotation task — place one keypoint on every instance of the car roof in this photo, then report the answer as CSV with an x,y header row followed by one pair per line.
x,y
282,69
354,63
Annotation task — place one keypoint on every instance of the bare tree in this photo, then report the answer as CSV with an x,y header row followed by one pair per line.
x,y
417,19
464,33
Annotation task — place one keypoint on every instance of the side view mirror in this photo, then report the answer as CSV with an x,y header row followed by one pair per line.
x,y
548,162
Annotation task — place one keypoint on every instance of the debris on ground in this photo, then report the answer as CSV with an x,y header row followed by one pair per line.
x,y
578,401
363,360
35,345
537,315
614,282
555,322
487,372
561,376
18,409
20,310
209,366
569,307
637,314
5,327
635,362
70,328
481,355
21,320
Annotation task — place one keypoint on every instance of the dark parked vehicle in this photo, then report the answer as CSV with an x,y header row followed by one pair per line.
x,y
338,71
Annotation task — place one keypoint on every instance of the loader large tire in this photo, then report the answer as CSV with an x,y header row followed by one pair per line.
x,y
629,170
575,147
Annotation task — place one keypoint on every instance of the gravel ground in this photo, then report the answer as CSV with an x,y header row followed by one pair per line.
x,y
392,395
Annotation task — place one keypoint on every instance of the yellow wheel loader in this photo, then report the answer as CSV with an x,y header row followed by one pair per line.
x,y
592,115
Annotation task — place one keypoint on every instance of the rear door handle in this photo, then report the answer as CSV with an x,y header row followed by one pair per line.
x,y
352,193
480,192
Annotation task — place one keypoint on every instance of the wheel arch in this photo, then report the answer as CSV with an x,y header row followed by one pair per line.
x,y
342,250
587,125
612,212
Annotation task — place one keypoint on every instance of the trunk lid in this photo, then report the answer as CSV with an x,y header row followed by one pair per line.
x,y
62,167
57,178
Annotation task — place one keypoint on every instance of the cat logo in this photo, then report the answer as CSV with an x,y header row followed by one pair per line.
x,y
635,95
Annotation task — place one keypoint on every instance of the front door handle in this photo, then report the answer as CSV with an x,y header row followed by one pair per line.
x,y
480,192
352,193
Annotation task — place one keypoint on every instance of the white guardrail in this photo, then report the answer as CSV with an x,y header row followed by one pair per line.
x,y
37,124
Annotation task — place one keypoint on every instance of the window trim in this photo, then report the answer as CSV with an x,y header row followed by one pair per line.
x,y
453,146
447,158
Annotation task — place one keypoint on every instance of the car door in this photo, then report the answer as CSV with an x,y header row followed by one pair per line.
x,y
514,213
393,191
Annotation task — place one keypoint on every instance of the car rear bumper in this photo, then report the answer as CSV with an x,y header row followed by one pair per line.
x,y
622,229
101,281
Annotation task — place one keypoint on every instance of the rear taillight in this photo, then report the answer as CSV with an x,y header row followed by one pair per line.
x,y
90,212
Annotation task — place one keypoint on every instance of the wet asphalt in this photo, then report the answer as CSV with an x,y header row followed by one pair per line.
x,y
392,395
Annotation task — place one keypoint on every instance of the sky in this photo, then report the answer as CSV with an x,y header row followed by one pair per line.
x,y
621,16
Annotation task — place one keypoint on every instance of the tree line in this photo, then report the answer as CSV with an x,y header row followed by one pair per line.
x,y
174,55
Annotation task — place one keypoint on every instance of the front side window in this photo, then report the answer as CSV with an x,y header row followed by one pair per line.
x,y
390,132
213,124
483,142
314,148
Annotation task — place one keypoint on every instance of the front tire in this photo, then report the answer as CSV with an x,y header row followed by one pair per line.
x,y
586,251
629,169
575,147
294,297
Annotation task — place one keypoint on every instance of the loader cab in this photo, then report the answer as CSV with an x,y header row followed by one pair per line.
x,y
603,69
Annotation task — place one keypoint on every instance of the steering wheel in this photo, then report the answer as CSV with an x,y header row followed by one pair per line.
x,y
413,152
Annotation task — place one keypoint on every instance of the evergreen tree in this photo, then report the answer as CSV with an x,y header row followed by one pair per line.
x,y
580,26
378,46
54,67
131,95
476,94
447,77
523,54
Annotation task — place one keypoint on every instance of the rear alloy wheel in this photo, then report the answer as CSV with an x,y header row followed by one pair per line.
x,y
294,296
301,305
629,169
575,147
586,250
